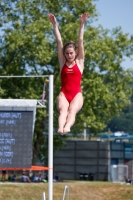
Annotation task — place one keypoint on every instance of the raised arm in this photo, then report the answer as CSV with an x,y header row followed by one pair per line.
x,y
80,55
58,39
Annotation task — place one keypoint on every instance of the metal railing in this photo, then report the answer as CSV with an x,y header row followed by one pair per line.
x,y
43,196
66,192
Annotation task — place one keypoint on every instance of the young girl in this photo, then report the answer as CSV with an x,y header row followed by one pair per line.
x,y
71,60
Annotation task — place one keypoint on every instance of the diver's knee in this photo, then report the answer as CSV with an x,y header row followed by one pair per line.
x,y
63,111
72,111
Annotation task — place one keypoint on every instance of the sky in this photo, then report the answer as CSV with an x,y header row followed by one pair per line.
x,y
114,13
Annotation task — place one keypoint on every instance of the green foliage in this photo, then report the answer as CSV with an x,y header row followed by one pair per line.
x,y
124,121
59,141
28,47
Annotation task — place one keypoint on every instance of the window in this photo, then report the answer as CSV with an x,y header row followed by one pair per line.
x,y
128,149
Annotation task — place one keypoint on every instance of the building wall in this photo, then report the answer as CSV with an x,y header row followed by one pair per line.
x,y
81,159
122,152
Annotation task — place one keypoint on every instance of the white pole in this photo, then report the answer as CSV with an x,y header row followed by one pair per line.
x,y
84,131
50,140
20,76
43,196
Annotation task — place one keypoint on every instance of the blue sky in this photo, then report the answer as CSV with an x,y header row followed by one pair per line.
x,y
114,13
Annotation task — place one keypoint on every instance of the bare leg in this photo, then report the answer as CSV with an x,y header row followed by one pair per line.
x,y
63,105
75,105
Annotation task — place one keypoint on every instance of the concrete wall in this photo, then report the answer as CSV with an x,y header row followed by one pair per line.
x,y
83,157
77,158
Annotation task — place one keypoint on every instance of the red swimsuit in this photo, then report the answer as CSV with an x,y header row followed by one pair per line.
x,y
70,80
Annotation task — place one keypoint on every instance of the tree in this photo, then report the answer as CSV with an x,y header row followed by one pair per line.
x,y
124,121
28,47
106,80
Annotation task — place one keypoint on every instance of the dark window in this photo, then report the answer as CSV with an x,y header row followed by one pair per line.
x,y
128,150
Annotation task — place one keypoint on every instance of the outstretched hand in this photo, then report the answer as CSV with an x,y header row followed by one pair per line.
x,y
84,17
52,18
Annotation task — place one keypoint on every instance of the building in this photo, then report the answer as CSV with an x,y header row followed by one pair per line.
x,y
84,159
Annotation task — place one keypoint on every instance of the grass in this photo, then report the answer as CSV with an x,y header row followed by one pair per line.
x,y
79,190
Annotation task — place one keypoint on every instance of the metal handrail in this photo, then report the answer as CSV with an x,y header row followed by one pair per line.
x,y
43,196
66,189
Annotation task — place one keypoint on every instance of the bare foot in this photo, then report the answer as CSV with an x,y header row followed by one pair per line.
x,y
66,129
60,130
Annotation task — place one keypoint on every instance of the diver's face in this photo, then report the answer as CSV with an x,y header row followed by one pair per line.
x,y
70,54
